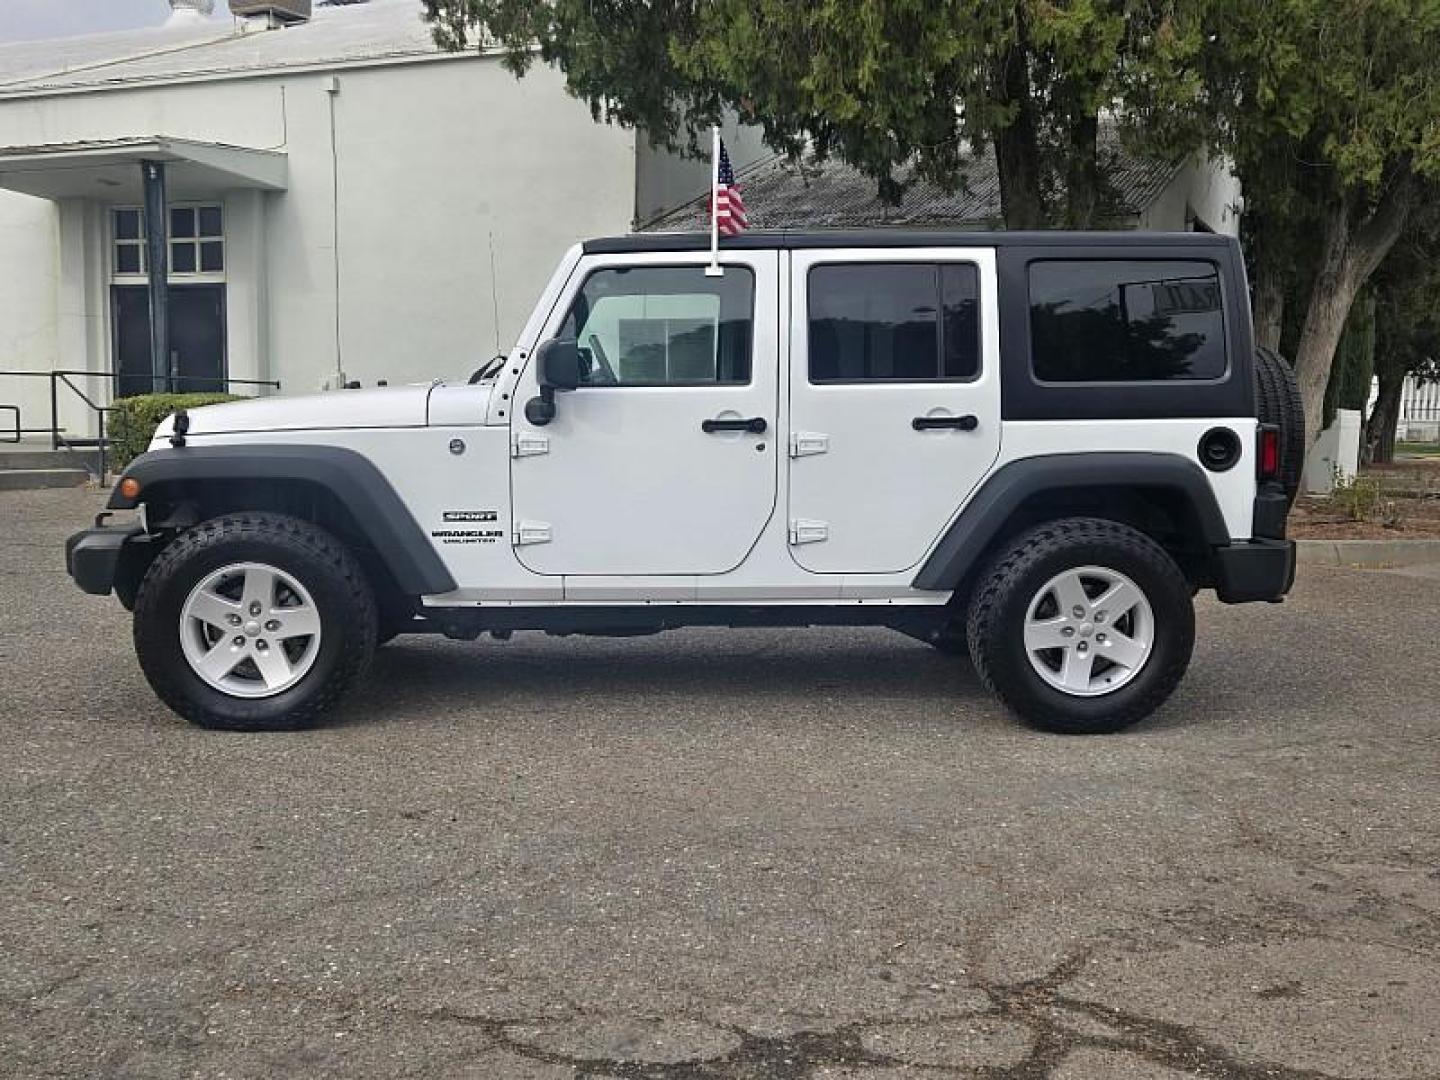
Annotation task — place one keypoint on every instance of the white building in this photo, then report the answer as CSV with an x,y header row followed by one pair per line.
x,y
345,202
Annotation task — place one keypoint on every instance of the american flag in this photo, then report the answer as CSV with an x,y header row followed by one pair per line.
x,y
729,206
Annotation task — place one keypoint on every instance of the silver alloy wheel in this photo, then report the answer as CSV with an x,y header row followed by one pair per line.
x,y
1089,631
250,630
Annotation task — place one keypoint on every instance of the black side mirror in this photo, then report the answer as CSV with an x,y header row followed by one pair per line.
x,y
558,365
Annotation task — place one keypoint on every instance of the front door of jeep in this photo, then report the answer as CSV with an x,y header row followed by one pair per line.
x,y
663,460
894,401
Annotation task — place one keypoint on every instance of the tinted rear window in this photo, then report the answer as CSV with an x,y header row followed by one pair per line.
x,y
907,322
1126,320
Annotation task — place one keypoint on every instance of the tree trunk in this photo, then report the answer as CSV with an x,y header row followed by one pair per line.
x,y
1350,252
1380,427
1018,165
1269,308
1330,300
1268,276
1017,144
1083,184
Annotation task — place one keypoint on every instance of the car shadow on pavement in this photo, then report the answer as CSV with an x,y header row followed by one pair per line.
x,y
871,675
714,670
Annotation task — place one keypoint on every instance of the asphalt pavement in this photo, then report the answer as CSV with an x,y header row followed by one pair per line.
x,y
723,854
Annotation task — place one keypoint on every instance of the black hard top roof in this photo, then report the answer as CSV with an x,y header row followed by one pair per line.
x,y
891,238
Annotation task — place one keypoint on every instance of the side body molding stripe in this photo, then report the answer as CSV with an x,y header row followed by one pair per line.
x,y
1009,486
351,477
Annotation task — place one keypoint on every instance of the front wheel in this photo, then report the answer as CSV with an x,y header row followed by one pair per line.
x,y
1082,626
254,622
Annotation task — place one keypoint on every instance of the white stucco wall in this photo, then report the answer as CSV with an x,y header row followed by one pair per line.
x,y
1203,188
445,171
29,315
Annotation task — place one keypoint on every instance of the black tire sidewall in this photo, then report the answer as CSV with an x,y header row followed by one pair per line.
x,y
1019,685
344,624
1279,403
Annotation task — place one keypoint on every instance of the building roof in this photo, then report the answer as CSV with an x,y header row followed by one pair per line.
x,y
780,194
336,36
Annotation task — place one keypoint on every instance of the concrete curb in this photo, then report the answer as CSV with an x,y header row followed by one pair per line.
x,y
1370,554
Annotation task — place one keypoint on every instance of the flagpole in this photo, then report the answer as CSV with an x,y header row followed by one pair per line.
x,y
714,270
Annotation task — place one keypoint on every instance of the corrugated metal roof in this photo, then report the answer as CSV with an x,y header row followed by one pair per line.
x,y
780,194
336,35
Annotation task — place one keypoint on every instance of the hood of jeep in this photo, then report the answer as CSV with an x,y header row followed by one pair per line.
x,y
383,407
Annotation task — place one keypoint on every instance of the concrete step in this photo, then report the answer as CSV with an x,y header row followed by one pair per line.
x,y
38,479
23,457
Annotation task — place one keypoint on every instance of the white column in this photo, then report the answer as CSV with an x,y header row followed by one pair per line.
x,y
245,289
83,309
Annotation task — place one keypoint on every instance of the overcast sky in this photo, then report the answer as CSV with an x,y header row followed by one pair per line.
x,y
24,20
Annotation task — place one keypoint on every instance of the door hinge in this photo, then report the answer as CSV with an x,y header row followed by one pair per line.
x,y
529,444
806,531
530,532
805,443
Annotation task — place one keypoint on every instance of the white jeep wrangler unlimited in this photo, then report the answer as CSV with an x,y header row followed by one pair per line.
x,y
1034,446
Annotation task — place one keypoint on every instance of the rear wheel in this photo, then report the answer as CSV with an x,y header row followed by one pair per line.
x,y
1082,626
254,622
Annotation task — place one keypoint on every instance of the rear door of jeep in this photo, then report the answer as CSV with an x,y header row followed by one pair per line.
x,y
894,400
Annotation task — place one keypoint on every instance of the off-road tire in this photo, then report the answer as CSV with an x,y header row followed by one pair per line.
x,y
316,559
1009,582
1278,402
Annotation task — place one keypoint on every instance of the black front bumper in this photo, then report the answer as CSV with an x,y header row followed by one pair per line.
x,y
1258,570
92,557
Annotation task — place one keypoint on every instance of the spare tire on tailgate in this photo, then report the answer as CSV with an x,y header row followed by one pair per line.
x,y
1278,401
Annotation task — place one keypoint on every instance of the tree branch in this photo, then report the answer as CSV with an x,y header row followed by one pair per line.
x,y
1377,234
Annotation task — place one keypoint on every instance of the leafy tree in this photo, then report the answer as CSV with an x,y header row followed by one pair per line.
x,y
876,82
1330,110
1407,332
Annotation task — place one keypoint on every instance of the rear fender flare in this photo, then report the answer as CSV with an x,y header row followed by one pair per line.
x,y
980,522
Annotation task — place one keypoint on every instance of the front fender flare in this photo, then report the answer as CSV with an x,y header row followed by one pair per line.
x,y
979,524
351,477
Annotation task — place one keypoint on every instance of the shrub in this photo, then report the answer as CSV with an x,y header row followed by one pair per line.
x,y
1364,498
132,423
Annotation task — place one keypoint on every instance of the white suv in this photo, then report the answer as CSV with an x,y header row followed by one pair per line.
x,y
1036,447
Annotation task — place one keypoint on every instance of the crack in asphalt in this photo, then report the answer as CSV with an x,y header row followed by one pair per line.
x,y
1034,1004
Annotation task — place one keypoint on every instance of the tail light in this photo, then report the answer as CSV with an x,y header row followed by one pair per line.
x,y
1268,452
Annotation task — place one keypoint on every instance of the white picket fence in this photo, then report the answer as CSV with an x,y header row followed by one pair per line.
x,y
1419,412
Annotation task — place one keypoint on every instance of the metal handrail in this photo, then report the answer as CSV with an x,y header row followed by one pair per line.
x,y
100,442
58,439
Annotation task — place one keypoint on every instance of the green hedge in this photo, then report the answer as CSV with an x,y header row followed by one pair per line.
x,y
132,424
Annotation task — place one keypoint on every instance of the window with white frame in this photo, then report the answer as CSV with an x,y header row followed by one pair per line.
x,y
197,241
129,229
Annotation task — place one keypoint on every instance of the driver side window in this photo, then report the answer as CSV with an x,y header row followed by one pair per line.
x,y
663,326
